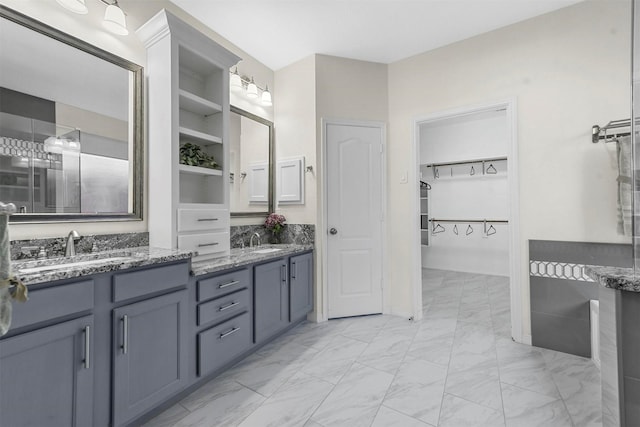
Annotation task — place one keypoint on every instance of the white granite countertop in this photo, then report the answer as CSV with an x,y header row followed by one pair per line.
x,y
47,270
51,269
246,256
622,279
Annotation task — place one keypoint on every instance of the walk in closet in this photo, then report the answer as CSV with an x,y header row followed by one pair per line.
x,y
464,193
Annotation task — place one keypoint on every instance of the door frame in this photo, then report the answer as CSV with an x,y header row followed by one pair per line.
x,y
515,261
322,232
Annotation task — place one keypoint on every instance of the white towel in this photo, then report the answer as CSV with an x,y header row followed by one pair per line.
x,y
6,279
625,187
5,273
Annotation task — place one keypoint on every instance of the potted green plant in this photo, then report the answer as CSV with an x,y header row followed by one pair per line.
x,y
194,155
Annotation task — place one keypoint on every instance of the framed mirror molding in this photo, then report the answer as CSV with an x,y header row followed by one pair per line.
x,y
252,153
70,149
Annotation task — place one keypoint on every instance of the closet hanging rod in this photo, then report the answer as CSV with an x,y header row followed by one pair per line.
x,y
471,221
597,131
466,162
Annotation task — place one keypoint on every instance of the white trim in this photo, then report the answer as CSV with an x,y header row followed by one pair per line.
x,y
515,272
322,233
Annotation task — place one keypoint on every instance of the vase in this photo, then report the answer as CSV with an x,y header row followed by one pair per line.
x,y
275,238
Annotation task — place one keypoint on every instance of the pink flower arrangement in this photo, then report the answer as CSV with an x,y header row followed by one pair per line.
x,y
274,222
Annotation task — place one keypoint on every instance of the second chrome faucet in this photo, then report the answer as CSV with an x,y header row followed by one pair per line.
x,y
256,234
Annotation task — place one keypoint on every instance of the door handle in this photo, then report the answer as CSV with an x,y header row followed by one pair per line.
x,y
125,333
87,347
333,231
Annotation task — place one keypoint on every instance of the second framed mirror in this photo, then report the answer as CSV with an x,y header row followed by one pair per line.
x,y
251,153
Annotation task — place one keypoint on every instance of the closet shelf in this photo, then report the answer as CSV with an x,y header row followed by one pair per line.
x,y
466,162
192,135
196,104
471,221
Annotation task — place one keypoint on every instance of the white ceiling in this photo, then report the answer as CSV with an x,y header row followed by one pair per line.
x,y
280,32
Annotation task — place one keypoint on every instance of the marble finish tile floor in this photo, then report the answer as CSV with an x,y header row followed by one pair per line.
x,y
457,367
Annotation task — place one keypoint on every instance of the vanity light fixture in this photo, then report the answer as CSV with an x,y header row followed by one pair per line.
x,y
236,81
57,145
266,96
75,6
114,17
252,90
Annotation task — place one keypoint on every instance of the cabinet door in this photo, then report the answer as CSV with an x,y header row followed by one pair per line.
x,y
271,299
301,285
50,373
150,363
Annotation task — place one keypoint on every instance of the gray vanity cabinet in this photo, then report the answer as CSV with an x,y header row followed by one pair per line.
x,y
47,376
149,361
271,296
301,285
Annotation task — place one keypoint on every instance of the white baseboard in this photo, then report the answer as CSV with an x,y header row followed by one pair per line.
x,y
526,339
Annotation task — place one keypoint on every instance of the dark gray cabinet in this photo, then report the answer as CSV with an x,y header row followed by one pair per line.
x,y
149,360
110,348
301,285
271,299
46,376
221,344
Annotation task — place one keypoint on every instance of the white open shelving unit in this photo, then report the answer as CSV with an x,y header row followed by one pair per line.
x,y
188,80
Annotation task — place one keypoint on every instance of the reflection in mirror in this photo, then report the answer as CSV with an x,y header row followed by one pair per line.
x,y
70,126
251,164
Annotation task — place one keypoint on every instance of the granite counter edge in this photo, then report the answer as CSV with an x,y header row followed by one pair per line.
x,y
619,278
240,258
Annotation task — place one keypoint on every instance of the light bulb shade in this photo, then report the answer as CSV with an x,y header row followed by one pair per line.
x,y
266,97
76,6
252,90
115,21
236,81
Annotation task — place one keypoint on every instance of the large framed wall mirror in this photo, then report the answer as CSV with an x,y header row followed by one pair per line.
x,y
71,126
251,152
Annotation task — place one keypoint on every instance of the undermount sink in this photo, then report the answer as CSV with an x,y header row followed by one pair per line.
x,y
266,250
64,265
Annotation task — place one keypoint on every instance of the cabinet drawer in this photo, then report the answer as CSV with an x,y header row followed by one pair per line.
x,y
224,307
142,282
206,243
58,301
221,344
223,284
202,219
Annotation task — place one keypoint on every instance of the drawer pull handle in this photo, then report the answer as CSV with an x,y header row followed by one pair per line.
x,y
202,245
87,347
207,219
228,306
229,332
226,285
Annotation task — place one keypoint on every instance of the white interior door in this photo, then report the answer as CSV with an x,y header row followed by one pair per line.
x,y
354,219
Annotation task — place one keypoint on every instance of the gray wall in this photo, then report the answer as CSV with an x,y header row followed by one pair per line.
x,y
560,291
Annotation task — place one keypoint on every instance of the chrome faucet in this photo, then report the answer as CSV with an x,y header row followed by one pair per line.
x,y
70,249
256,234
